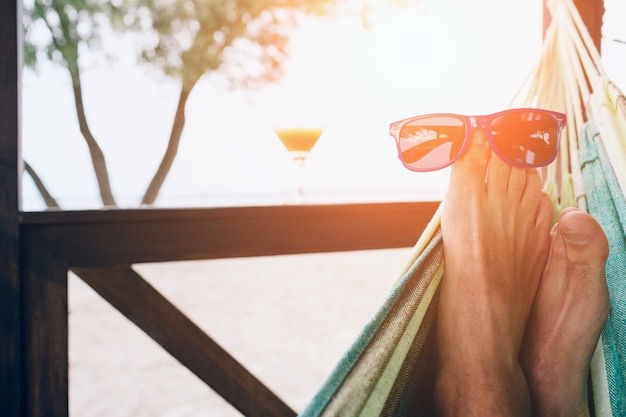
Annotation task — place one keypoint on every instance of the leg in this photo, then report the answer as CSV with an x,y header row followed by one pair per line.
x,y
568,315
495,225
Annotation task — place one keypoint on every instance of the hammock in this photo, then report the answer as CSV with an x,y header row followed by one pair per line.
x,y
379,374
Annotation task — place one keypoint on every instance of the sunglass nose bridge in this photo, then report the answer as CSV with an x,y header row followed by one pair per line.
x,y
479,121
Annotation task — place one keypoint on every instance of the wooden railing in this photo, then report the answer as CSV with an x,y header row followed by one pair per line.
x,y
101,246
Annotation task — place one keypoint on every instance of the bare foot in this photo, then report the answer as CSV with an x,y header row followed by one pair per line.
x,y
568,315
495,225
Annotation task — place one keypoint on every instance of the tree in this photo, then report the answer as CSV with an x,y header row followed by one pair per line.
x,y
244,40
71,23
193,37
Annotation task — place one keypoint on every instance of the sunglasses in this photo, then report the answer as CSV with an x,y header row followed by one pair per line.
x,y
526,137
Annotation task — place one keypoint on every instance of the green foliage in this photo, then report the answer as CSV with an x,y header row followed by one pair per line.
x,y
57,28
244,39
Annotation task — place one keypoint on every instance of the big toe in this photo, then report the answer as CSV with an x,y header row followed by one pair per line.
x,y
584,239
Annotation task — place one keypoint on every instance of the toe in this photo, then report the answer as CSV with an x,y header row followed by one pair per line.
x,y
471,169
545,212
583,236
528,193
498,175
586,250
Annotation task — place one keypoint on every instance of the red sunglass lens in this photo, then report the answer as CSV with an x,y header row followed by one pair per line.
x,y
525,138
429,143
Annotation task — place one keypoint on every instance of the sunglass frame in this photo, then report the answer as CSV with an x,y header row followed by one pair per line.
x,y
484,122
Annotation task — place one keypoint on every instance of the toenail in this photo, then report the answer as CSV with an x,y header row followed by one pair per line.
x,y
479,137
578,237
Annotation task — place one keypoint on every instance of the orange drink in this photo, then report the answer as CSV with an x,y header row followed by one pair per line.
x,y
299,139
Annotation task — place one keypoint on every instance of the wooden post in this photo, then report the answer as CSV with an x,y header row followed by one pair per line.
x,y
43,281
10,317
591,12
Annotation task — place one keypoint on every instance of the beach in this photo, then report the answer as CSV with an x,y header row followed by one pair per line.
x,y
288,319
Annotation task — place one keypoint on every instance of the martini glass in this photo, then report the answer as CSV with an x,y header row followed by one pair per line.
x,y
299,142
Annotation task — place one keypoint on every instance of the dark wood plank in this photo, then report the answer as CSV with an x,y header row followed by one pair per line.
x,y
123,237
142,304
591,12
10,339
44,331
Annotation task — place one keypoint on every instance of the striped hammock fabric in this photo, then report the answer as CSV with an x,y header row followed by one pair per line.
x,y
379,374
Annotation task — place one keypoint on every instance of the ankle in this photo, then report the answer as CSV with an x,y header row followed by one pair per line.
x,y
484,389
566,398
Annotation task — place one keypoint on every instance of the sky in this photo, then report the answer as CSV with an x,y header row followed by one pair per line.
x,y
441,56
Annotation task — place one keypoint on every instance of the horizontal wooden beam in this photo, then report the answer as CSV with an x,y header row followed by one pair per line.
x,y
124,237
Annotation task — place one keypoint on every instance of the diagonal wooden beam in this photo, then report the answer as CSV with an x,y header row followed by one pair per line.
x,y
142,304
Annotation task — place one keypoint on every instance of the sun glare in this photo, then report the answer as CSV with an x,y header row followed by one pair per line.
x,y
437,56
345,78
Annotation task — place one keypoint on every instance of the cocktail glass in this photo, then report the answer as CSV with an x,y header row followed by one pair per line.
x,y
299,142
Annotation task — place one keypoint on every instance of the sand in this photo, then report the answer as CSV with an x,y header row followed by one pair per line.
x,y
288,319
